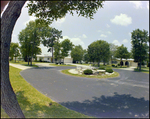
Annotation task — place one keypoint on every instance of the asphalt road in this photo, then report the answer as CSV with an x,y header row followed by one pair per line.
x,y
124,96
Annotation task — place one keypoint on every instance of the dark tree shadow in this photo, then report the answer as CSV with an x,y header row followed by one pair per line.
x,y
115,106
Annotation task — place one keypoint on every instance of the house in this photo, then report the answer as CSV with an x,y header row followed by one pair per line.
x,y
129,62
48,58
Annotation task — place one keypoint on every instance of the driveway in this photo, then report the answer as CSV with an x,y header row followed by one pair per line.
x,y
124,96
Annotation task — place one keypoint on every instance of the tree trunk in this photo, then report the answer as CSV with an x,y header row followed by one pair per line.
x,y
8,98
140,66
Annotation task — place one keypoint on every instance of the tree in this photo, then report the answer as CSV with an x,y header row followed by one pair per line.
x,y
29,38
66,46
86,57
140,48
77,53
122,52
14,50
51,35
98,51
57,53
113,49
106,53
42,10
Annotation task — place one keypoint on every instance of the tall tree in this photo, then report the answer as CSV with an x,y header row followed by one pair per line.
x,y
66,46
139,40
122,52
86,56
14,50
57,51
29,38
77,53
43,10
50,36
98,51
113,49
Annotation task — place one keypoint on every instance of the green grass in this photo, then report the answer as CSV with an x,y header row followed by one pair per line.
x,y
24,63
115,74
144,70
33,103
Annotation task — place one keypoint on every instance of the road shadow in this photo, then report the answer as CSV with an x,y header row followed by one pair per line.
x,y
115,106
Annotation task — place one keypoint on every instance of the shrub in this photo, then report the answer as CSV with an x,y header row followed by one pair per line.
x,y
113,65
103,68
118,64
88,71
109,70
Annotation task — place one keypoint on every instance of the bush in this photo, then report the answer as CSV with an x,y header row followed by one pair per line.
x,y
103,68
109,70
113,65
88,71
118,64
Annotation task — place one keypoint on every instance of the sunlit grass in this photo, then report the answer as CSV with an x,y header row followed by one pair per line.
x,y
115,74
144,70
33,103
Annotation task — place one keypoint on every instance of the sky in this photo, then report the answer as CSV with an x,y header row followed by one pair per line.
x,y
112,23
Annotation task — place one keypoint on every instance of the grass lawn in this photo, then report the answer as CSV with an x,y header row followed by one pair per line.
x,y
33,103
24,63
115,74
144,70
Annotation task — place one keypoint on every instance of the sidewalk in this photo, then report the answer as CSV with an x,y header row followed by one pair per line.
x,y
19,66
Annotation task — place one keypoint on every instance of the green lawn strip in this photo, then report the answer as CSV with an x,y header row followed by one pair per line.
x,y
143,70
115,74
24,63
34,104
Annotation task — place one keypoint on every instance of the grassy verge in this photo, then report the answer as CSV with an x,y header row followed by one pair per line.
x,y
115,74
144,70
33,103
24,63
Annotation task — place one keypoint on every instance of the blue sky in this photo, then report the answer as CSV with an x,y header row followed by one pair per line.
x,y
112,23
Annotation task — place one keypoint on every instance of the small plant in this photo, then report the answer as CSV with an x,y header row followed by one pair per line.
x,y
88,72
103,68
118,64
113,65
109,70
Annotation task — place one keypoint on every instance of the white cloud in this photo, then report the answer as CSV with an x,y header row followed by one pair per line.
x,y
107,26
102,35
84,36
125,41
109,32
75,41
123,20
138,4
116,42
30,18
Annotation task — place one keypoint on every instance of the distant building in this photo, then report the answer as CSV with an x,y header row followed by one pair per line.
x,y
48,58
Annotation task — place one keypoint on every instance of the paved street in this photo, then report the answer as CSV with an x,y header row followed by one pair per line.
x,y
124,96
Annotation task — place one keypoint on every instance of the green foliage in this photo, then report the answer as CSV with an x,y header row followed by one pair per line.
x,y
66,46
77,53
103,68
57,53
122,52
109,70
99,50
29,39
53,10
88,71
118,64
140,48
14,50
